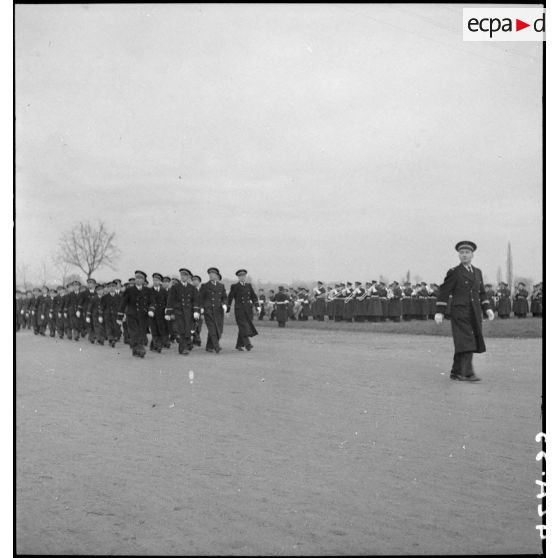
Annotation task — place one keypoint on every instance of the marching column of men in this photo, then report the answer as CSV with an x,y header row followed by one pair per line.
x,y
76,311
170,310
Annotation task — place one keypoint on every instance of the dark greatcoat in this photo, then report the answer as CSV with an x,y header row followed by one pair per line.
x,y
243,296
468,304
212,298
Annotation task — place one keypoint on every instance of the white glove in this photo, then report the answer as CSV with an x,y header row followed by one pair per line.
x,y
42,316
78,313
438,317
167,317
32,312
224,307
202,311
100,319
59,315
196,315
151,314
119,322
22,312
490,314
65,314
88,320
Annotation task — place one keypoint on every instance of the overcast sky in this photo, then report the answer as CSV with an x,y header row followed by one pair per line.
x,y
313,142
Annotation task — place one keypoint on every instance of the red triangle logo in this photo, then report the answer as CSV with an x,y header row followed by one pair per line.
x,y
519,25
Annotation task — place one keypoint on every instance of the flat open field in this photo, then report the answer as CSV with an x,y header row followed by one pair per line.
x,y
317,442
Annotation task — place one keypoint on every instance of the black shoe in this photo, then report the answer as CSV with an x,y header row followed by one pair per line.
x,y
101,343
471,378
249,347
239,348
453,376
158,349
92,341
209,350
76,339
218,350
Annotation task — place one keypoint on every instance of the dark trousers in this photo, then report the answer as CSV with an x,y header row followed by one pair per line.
x,y
112,329
463,364
182,328
136,331
158,328
213,330
243,341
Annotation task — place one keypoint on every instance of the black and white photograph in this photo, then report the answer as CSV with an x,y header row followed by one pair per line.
x,y
279,279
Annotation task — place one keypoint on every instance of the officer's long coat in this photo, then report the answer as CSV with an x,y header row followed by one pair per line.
x,y
243,296
469,301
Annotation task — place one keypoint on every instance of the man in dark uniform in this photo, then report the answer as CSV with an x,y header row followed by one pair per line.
x,y
156,314
394,302
537,301
134,306
504,301
244,297
319,305
198,324
520,302
262,299
281,301
183,303
464,282
83,305
95,316
59,311
71,320
213,302
43,310
52,311
110,306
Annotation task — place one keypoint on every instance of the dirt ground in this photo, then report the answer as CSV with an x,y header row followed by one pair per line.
x,y
317,442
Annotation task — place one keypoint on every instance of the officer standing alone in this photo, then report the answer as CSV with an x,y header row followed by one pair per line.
x,y
464,283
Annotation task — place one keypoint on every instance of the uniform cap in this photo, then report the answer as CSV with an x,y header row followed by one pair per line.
x,y
165,278
213,270
157,275
131,280
467,244
197,277
139,272
186,271
117,281
240,272
99,287
91,280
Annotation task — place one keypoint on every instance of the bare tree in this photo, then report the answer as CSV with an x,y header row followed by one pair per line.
x,y
88,247
62,267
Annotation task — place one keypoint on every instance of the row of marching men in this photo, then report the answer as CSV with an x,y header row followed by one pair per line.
x,y
172,310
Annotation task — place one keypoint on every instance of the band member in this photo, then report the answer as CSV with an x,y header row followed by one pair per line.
x,y
213,302
95,316
504,301
464,282
183,303
491,295
281,301
395,294
537,301
244,297
110,306
262,301
520,303
319,307
134,307
381,291
156,314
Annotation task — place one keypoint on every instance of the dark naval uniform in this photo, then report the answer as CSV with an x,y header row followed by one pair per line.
x,y
111,305
135,305
520,303
96,318
469,302
212,298
157,323
244,296
183,300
